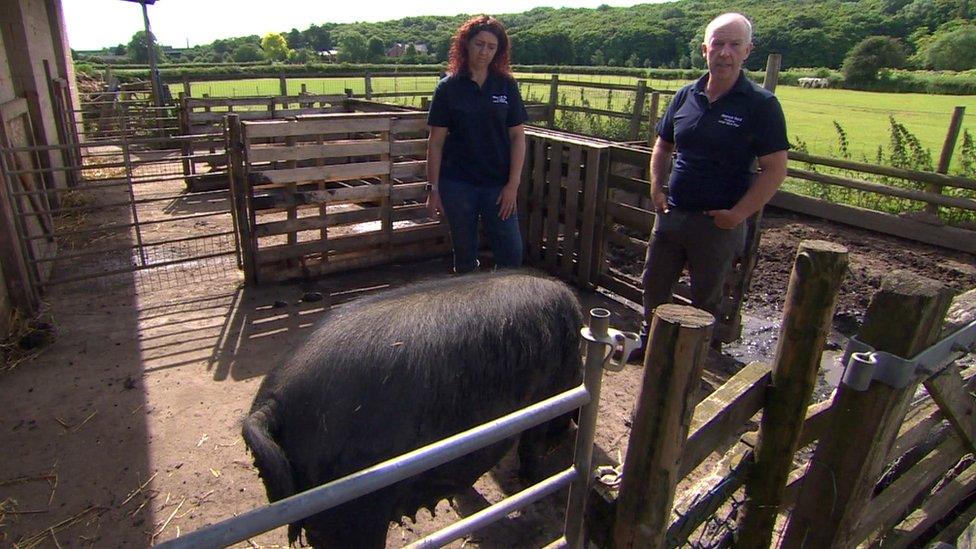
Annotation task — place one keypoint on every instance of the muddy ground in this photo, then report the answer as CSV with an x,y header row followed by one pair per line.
x,y
124,431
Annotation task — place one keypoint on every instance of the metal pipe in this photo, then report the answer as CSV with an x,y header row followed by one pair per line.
x,y
350,487
496,511
597,341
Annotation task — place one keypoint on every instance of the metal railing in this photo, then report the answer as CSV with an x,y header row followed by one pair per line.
x,y
601,340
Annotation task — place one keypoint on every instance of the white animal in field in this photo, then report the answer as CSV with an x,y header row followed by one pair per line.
x,y
811,82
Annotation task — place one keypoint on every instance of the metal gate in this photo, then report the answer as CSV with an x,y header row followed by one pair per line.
x,y
123,213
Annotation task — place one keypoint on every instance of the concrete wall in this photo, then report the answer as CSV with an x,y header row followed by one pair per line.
x,y
32,43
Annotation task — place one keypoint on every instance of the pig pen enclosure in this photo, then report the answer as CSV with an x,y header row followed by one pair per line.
x,y
122,425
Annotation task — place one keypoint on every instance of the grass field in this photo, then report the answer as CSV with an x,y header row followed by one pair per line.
x,y
810,113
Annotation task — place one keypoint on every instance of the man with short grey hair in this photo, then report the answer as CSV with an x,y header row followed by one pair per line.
x,y
721,126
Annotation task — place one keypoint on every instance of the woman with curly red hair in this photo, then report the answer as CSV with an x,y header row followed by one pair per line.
x,y
476,147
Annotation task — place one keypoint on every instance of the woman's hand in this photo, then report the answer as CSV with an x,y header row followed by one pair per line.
x,y
507,200
434,205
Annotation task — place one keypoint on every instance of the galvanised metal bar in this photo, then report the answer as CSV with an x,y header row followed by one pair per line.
x,y
379,476
496,511
598,342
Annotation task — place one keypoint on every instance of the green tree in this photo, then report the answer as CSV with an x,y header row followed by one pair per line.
x,y
352,47
598,59
119,50
246,53
275,46
296,40
871,55
954,50
375,49
138,50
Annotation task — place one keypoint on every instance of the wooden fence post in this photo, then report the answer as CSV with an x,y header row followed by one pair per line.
x,y
904,317
368,83
638,115
773,63
238,190
186,85
553,99
652,118
677,347
282,84
811,299
946,157
186,147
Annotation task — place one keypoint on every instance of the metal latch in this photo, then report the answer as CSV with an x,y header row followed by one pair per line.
x,y
863,364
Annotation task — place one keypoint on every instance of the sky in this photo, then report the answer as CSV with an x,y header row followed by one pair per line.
x,y
95,24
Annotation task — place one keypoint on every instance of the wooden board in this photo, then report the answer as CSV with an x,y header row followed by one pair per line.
x,y
331,149
315,126
337,172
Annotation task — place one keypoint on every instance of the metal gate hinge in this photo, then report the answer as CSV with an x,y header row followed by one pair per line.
x,y
862,364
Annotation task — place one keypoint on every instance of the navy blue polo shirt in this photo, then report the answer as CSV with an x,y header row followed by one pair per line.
x,y
717,143
477,148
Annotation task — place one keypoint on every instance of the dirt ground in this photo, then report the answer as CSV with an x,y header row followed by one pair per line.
x,y
125,430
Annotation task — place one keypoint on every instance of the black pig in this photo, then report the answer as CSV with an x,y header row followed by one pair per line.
x,y
386,374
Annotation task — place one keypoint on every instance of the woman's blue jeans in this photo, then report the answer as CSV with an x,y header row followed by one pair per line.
x,y
464,204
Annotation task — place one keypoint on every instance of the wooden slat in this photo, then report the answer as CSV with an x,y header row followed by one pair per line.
x,y
631,217
330,149
723,413
417,213
409,147
315,126
337,172
363,259
935,508
404,124
417,168
886,508
589,247
912,175
409,191
570,238
620,286
534,236
553,190
629,155
630,184
317,222
887,190
633,245
946,237
959,405
272,254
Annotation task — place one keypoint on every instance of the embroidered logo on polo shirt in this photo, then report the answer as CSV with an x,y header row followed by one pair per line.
x,y
499,99
730,120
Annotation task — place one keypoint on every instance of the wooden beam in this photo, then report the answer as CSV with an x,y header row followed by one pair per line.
x,y
947,237
330,149
316,174
904,317
722,414
818,269
677,347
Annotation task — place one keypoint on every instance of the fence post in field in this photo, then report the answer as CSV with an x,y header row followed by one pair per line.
x,y
773,63
238,188
425,103
186,147
952,135
904,318
677,347
282,85
553,99
368,84
638,116
186,85
652,118
818,270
